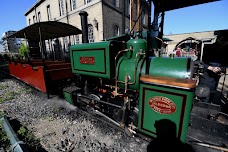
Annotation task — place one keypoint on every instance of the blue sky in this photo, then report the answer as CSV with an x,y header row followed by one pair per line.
x,y
12,15
206,17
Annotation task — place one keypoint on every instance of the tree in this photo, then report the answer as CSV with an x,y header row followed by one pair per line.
x,y
24,50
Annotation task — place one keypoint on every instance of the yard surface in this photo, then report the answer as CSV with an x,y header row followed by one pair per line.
x,y
56,125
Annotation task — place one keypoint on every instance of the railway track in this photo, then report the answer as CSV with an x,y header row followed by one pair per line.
x,y
38,112
102,120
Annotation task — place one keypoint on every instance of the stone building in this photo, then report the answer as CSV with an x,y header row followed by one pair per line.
x,y
106,18
176,38
11,45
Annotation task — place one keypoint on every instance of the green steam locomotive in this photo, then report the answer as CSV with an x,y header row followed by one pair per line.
x,y
113,83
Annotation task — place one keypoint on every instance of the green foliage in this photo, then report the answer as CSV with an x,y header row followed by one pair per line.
x,y
24,134
2,99
7,96
3,86
22,131
3,138
1,113
25,90
24,50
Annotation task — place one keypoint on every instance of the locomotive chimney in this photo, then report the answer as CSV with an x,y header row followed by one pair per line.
x,y
84,25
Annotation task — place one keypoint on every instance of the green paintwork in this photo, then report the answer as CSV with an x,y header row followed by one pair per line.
x,y
68,97
136,44
147,116
175,68
127,65
103,54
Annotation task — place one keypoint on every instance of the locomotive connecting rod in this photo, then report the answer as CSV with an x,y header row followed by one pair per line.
x,y
90,98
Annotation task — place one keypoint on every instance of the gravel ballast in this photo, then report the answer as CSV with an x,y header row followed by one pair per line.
x,y
60,126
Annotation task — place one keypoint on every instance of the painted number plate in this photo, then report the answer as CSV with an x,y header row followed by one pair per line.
x,y
162,105
87,60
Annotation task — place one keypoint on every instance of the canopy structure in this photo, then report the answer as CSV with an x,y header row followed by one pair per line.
x,y
168,5
46,30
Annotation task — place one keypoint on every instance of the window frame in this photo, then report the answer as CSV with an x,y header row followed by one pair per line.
x,y
34,19
77,39
61,7
39,16
116,3
49,12
116,29
128,7
90,33
87,1
72,4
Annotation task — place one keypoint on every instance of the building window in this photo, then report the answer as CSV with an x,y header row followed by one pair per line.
x,y
29,21
49,12
87,1
61,7
77,39
129,6
144,19
39,17
34,19
116,30
90,33
115,2
65,42
73,4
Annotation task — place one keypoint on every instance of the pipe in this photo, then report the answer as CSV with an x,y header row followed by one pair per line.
x,y
107,103
160,35
115,93
84,24
17,145
201,55
131,15
123,18
148,38
138,15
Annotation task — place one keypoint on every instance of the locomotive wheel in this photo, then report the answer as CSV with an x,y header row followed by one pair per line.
x,y
90,107
133,119
117,114
90,110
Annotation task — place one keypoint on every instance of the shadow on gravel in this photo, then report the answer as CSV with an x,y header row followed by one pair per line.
x,y
3,76
4,71
32,144
166,139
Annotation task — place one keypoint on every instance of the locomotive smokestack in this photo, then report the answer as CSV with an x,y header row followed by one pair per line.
x,y
84,25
